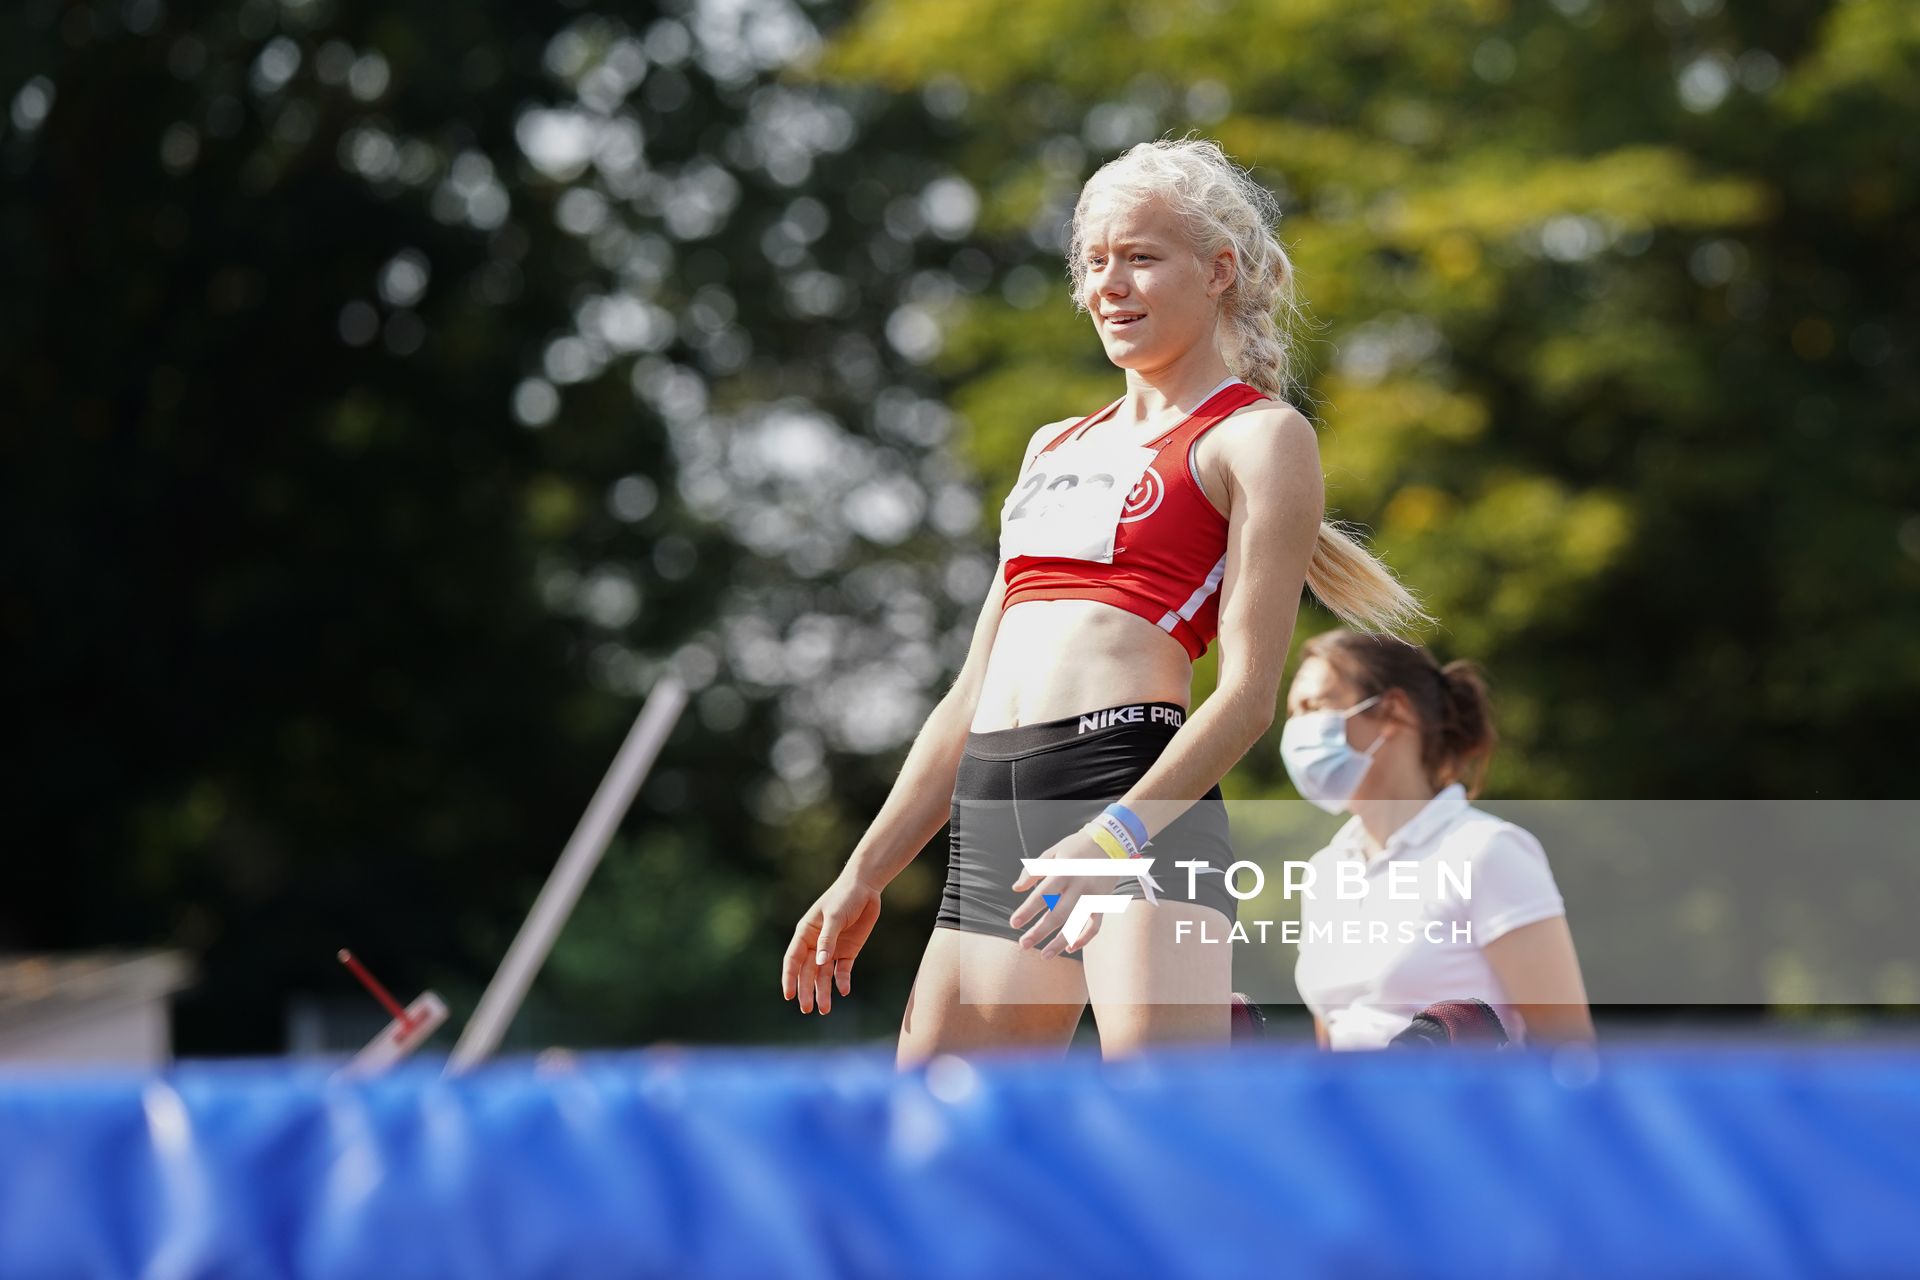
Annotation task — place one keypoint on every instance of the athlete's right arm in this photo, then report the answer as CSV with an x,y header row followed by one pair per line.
x,y
820,956
921,799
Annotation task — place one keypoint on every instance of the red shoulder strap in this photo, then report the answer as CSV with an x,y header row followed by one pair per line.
x,y
1209,415
1211,411
1087,421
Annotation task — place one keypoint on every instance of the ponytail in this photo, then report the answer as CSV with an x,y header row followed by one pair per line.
x,y
1361,591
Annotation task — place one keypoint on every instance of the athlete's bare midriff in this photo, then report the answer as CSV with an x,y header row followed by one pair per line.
x,y
1057,658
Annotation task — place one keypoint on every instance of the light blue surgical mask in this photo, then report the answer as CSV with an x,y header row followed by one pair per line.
x,y
1322,763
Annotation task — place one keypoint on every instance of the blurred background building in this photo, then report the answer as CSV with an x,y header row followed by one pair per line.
x,y
99,1007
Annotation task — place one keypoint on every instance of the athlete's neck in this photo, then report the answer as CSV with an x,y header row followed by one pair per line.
x,y
1171,394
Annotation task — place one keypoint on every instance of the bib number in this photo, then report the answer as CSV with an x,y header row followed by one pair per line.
x,y
1072,500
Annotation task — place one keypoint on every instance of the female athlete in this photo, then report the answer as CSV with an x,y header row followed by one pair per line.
x,y
1188,510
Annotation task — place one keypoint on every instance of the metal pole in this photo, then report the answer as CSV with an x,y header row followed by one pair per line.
x,y
562,890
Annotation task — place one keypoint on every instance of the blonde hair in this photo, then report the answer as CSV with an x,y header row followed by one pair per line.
x,y
1222,207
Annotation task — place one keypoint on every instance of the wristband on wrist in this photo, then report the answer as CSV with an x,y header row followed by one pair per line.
x,y
1119,831
1106,840
1115,830
1131,821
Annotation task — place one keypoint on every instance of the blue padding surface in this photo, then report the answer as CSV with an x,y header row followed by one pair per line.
x,y
1644,1162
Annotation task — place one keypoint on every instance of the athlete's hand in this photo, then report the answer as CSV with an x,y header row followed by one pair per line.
x,y
1070,888
825,942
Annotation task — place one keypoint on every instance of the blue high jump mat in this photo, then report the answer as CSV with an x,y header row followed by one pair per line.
x,y
1640,1162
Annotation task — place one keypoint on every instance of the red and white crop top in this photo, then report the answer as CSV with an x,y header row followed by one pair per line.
x,y
1169,547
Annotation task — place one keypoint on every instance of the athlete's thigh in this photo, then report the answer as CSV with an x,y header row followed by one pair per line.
x,y
975,992
1152,980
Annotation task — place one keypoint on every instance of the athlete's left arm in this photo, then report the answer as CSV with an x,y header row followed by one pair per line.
x,y
1269,467
1276,499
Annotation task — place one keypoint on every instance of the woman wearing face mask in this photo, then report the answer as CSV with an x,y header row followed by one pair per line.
x,y
1186,511
1377,728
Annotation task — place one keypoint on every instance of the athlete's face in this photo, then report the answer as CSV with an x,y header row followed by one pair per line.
x,y
1150,297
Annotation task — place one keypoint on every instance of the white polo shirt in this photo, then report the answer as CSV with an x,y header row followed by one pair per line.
x,y
1450,880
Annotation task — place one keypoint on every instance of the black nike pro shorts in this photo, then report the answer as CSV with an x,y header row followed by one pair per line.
x,y
1020,791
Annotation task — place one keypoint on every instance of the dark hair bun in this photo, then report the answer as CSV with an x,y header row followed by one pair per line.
x,y
1466,727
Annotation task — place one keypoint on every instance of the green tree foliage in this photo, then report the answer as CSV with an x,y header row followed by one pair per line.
x,y
389,394
1614,321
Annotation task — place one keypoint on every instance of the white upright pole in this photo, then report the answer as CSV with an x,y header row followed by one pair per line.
x,y
570,875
